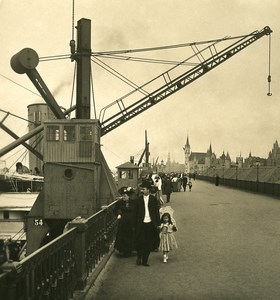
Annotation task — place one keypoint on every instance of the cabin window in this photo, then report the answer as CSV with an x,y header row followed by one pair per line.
x,y
6,214
85,144
69,133
85,133
53,133
130,174
37,116
122,174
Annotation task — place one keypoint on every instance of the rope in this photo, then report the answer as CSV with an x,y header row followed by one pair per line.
x,y
24,154
169,46
72,43
73,87
92,91
269,67
145,60
20,234
120,76
73,18
20,85
20,158
16,116
53,57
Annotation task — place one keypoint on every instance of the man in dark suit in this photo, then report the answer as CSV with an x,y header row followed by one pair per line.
x,y
147,221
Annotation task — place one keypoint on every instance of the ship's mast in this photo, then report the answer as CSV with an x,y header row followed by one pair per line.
x,y
83,69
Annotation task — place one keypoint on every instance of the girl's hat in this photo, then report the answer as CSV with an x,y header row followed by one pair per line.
x,y
169,210
128,190
166,209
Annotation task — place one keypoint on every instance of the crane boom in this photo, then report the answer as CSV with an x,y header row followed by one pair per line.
x,y
174,85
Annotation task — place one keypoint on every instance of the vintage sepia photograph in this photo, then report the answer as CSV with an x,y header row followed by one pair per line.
x,y
139,150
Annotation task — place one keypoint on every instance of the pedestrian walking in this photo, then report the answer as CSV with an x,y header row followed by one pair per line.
x,y
217,180
167,238
190,185
125,243
174,181
184,182
147,222
167,188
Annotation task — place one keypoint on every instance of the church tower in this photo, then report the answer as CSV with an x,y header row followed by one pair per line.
x,y
168,163
187,151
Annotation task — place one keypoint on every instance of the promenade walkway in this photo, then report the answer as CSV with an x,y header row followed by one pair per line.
x,y
229,243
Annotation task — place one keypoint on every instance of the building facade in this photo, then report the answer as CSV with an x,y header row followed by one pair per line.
x,y
274,155
200,162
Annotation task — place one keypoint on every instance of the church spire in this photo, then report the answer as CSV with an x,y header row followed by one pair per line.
x,y
188,143
187,151
210,149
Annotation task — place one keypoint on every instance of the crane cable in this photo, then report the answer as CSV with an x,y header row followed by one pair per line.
x,y
269,66
73,18
119,75
92,92
166,47
72,42
73,87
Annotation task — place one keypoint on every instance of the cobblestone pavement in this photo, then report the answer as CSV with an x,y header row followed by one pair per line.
x,y
229,243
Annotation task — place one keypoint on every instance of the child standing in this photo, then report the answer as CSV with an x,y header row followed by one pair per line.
x,y
167,238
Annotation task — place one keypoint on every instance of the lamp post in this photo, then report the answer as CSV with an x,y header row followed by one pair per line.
x,y
223,173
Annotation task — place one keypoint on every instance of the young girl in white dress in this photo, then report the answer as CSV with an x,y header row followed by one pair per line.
x,y
167,238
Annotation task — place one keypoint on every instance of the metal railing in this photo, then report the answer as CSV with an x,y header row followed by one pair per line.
x,y
62,266
268,188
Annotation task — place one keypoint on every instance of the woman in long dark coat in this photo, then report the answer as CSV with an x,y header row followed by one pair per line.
x,y
124,242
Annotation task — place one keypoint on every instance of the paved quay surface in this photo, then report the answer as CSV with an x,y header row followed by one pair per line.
x,y
228,241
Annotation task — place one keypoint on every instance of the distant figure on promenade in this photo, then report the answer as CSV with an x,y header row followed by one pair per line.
x,y
167,188
217,180
167,229
190,185
125,242
174,181
184,182
147,222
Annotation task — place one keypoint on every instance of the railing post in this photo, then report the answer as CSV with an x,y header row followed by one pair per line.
x,y
80,246
106,233
11,269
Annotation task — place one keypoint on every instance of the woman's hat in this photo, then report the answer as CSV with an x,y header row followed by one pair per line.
x,y
128,190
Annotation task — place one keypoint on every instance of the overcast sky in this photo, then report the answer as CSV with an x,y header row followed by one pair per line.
x,y
228,107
